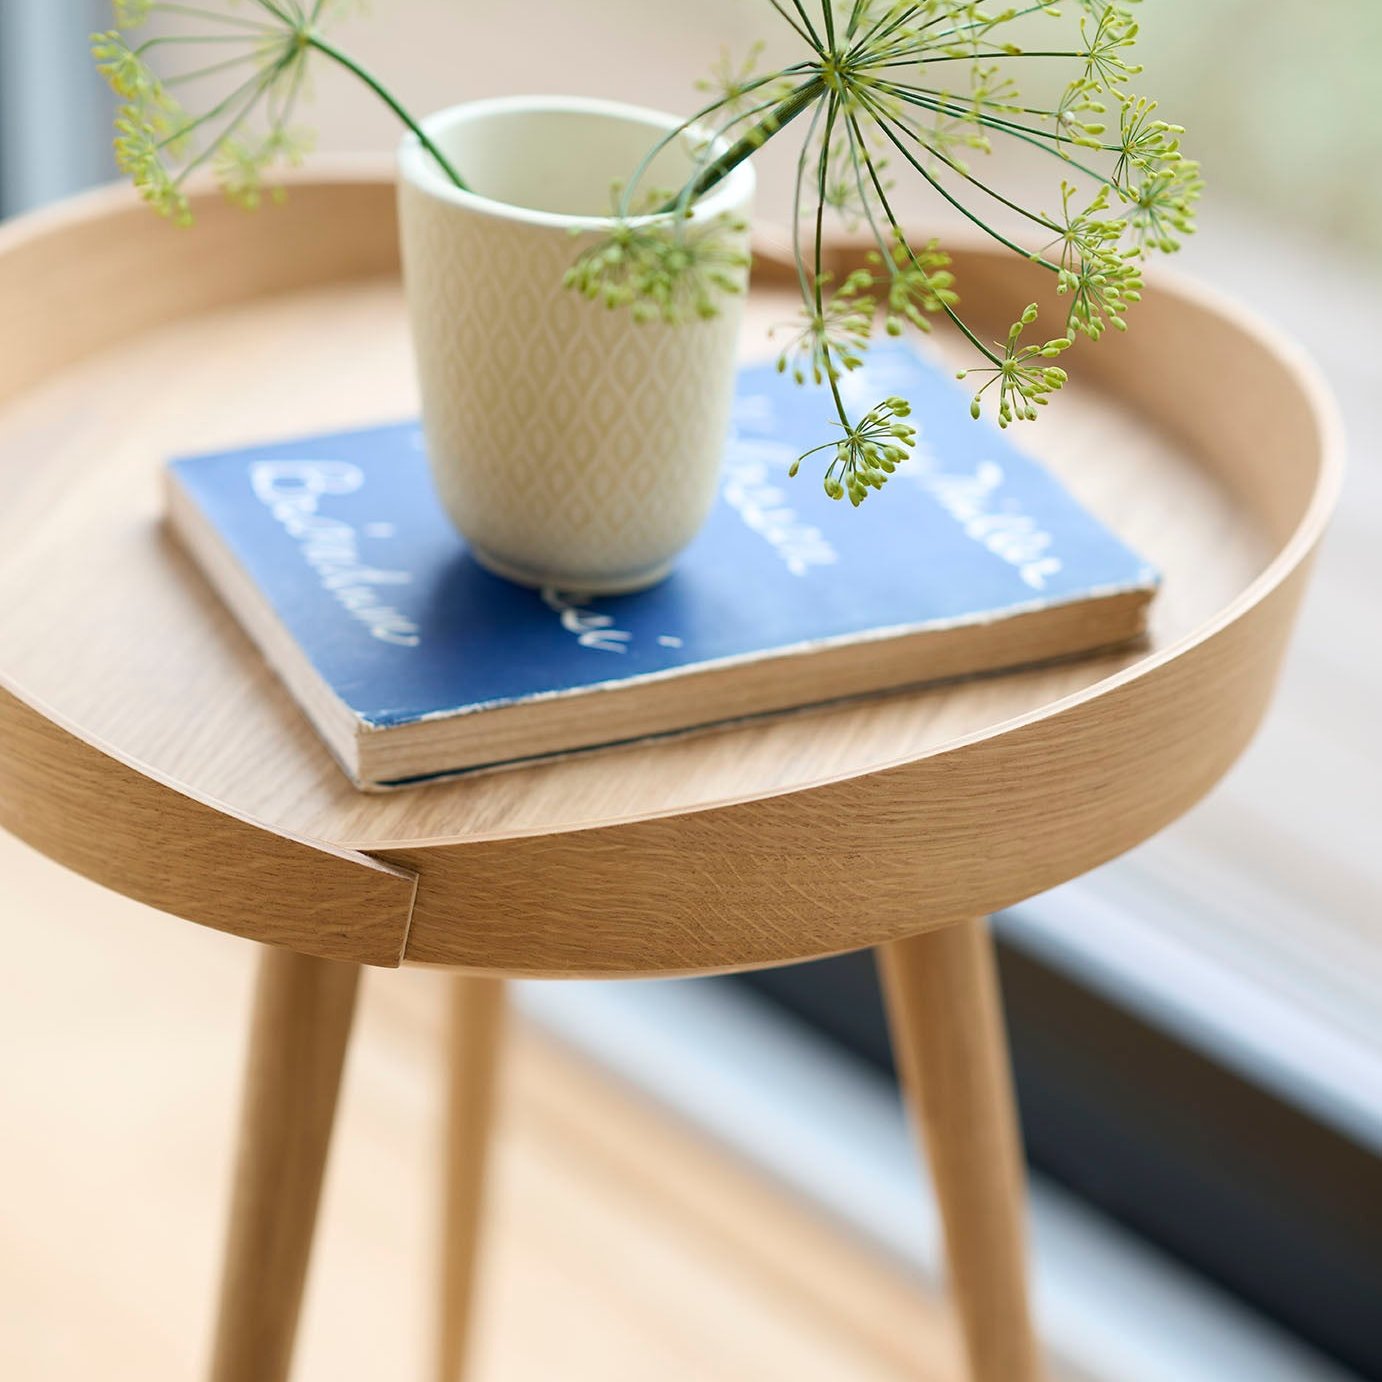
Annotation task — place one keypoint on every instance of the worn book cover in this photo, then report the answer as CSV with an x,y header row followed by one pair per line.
x,y
414,662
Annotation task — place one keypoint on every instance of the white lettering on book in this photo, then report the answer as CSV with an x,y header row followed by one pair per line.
x,y
975,501
592,630
751,470
290,490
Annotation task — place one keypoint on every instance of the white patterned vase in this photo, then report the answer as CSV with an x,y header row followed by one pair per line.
x,y
571,446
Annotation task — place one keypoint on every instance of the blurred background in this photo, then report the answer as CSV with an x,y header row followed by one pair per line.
x,y
1196,1028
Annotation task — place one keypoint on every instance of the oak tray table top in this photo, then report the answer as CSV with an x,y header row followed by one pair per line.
x,y
144,743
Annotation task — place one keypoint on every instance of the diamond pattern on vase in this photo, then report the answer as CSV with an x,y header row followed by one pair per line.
x,y
563,437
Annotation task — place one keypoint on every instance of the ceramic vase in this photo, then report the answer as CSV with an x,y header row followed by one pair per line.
x,y
573,447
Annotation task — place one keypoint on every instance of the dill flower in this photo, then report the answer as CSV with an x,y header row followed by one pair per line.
x,y
258,57
668,273
831,337
1161,206
733,84
926,89
930,88
1101,278
913,284
1024,383
870,451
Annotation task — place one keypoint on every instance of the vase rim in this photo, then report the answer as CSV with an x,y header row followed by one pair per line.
x,y
733,194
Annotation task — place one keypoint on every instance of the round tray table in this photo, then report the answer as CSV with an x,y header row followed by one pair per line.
x,y
144,743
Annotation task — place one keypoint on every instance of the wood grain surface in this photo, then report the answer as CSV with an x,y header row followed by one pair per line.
x,y
304,1010
475,1038
945,1013
620,1243
1202,439
136,833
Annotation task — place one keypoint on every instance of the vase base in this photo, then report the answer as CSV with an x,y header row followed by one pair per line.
x,y
620,583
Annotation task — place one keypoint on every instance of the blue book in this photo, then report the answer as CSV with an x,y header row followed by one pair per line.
x,y
414,662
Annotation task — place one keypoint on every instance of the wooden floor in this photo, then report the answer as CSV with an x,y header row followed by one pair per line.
x,y
620,1247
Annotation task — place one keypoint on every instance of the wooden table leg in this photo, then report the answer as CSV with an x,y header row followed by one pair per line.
x,y
946,1018
476,1032
302,1019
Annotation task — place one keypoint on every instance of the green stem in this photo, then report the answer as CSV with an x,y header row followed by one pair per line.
x,y
941,104
1045,222
828,11
235,20
213,70
151,43
254,84
800,32
859,155
902,239
882,27
260,85
797,203
803,98
277,13
818,265
689,191
810,27
692,122
886,126
889,24
349,63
